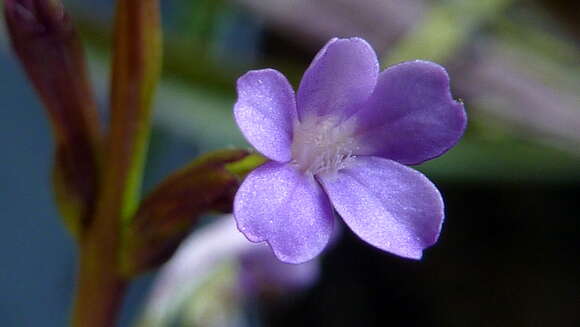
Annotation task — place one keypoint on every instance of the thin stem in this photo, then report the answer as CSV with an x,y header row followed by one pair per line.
x,y
100,289
135,71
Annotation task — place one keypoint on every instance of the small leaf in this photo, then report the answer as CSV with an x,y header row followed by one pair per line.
x,y
47,44
166,216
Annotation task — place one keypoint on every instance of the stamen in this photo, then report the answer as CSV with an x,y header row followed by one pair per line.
x,y
322,145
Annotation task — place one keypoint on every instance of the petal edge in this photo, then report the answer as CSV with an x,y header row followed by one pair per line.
x,y
390,206
265,112
340,78
287,209
411,116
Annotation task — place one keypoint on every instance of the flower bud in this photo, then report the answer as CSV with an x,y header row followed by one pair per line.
x,y
166,215
47,45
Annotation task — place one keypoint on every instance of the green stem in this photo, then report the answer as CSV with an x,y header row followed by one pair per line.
x,y
135,71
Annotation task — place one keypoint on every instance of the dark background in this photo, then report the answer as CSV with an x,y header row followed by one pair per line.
x,y
507,257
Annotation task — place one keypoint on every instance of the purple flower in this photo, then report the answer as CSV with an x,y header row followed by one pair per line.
x,y
343,142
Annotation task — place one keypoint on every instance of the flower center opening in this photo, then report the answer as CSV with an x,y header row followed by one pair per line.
x,y
322,145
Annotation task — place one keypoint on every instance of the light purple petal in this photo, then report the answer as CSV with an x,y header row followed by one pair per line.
x,y
340,78
411,116
286,208
388,205
265,112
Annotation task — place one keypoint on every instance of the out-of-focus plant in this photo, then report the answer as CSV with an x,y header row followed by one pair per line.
x,y
214,272
97,175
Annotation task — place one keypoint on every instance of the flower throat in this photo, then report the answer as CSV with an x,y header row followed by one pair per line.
x,y
322,145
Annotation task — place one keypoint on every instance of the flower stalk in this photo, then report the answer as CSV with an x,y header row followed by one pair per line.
x,y
135,72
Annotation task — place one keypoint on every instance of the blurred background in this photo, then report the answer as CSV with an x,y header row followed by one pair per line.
x,y
508,254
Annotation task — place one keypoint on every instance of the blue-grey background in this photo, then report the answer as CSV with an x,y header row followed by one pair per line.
x,y
36,253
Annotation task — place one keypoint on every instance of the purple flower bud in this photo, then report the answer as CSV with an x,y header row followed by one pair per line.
x,y
37,18
48,47
165,216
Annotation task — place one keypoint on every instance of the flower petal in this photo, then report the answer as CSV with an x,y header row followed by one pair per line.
x,y
286,208
411,116
265,112
341,77
388,205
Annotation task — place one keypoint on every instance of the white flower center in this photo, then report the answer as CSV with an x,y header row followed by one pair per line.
x,y
322,145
